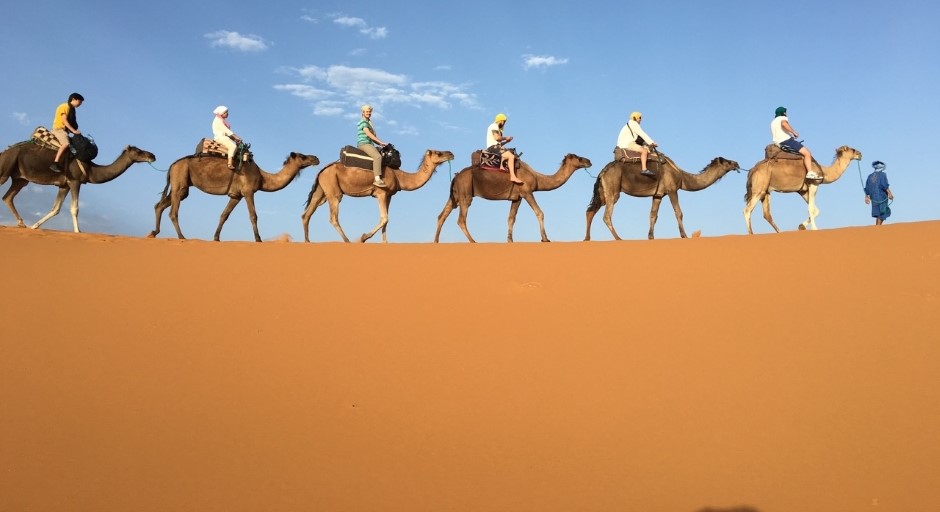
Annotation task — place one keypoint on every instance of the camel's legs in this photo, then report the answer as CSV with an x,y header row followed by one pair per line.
x,y
383,201
316,200
462,217
334,217
448,207
674,200
654,214
513,209
158,209
610,199
529,198
15,186
232,202
56,207
252,216
176,197
75,186
765,201
748,208
810,198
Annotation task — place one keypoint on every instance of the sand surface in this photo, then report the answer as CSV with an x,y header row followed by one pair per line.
x,y
770,373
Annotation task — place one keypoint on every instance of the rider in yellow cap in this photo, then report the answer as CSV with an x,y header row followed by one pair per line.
x,y
494,143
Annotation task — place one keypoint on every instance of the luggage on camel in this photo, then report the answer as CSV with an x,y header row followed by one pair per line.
x,y
209,147
351,156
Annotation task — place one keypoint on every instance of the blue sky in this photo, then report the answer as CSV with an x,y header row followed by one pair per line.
x,y
706,75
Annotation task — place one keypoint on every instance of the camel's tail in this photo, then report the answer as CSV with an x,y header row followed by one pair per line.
x,y
166,189
595,203
747,192
316,184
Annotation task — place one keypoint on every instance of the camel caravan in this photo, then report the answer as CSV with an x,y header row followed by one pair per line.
x,y
225,166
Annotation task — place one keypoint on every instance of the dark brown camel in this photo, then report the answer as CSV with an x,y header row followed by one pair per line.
x,y
617,177
337,180
27,163
476,182
211,174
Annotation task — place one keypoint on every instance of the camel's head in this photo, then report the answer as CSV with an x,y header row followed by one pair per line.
x,y
302,160
438,157
579,162
725,165
139,155
853,154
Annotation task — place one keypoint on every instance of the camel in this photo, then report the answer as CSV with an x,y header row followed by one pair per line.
x,y
210,174
27,163
474,181
337,180
789,175
617,177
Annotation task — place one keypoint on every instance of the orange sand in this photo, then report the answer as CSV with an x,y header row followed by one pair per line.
x,y
672,375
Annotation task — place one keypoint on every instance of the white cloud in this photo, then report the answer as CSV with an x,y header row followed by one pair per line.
x,y
21,118
236,41
311,19
542,61
362,26
336,88
443,67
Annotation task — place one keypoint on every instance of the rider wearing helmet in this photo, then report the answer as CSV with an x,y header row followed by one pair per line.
x,y
494,144
785,136
633,138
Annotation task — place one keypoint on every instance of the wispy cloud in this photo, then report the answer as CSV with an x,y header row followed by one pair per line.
x,y
361,25
542,61
236,41
337,90
21,117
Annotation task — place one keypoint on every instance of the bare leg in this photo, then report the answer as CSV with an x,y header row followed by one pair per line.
x,y
509,157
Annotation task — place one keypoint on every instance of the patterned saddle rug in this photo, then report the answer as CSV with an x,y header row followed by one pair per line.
x,y
44,138
489,160
209,147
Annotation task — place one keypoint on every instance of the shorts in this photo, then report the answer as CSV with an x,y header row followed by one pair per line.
x,y
62,136
633,146
792,145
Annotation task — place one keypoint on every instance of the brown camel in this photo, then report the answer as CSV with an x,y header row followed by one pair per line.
x,y
494,185
26,163
211,174
617,177
337,180
787,174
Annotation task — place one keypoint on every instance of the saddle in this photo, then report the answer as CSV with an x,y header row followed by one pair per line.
x,y
209,147
351,156
489,159
773,151
44,138
625,155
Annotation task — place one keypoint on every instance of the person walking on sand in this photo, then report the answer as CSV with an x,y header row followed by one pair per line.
x,y
785,136
494,144
878,193
633,138
367,140
223,134
63,123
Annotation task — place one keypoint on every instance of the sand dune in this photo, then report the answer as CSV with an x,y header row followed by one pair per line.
x,y
764,373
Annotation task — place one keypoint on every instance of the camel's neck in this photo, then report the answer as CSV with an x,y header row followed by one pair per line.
x,y
106,173
835,171
551,182
702,180
273,182
415,180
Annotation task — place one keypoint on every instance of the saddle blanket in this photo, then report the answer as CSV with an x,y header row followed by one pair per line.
x,y
45,138
209,146
351,156
488,161
625,155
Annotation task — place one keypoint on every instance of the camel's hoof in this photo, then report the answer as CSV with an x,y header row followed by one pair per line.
x,y
152,235
801,227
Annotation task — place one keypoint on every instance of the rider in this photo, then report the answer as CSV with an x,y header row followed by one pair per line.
x,y
367,140
633,138
64,122
494,144
223,134
785,136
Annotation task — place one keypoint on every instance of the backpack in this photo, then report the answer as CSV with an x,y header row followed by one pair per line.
x,y
83,148
391,157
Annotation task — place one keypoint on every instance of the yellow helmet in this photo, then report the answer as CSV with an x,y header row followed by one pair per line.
x,y
500,117
635,116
